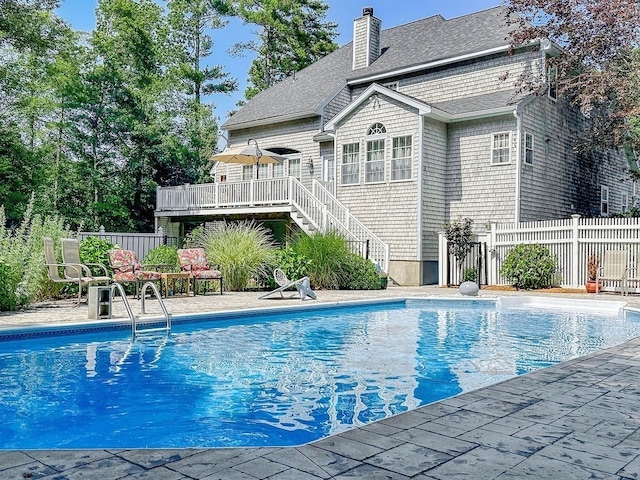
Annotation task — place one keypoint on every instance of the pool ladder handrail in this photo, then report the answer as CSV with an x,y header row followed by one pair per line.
x,y
135,319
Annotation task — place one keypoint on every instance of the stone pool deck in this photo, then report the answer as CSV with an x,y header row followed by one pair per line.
x,y
576,420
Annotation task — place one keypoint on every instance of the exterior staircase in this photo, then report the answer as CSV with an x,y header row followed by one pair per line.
x,y
320,210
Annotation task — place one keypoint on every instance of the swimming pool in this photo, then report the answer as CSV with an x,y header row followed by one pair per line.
x,y
272,379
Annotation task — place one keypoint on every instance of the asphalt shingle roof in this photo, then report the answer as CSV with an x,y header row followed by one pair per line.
x,y
412,44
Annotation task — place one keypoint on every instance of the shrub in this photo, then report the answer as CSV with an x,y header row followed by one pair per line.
x,y
327,252
293,265
241,250
358,273
8,298
194,238
470,274
529,266
22,253
164,255
96,250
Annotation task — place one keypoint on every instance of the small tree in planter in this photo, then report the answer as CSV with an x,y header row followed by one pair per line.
x,y
593,264
459,235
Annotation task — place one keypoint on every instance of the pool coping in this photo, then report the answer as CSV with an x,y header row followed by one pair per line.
x,y
122,323
576,419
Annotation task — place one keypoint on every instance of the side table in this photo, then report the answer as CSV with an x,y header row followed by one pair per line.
x,y
166,277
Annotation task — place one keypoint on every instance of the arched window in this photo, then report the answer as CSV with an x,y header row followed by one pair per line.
x,y
375,156
376,129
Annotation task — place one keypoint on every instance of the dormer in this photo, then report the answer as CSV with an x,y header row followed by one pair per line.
x,y
366,39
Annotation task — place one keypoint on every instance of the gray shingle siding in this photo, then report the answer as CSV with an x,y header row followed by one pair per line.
x,y
434,173
561,181
475,187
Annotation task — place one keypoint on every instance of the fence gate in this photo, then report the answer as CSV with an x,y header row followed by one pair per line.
x,y
474,265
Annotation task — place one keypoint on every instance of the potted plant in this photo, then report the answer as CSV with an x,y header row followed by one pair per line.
x,y
384,280
593,264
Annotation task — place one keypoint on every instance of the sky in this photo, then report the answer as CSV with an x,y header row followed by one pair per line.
x,y
81,15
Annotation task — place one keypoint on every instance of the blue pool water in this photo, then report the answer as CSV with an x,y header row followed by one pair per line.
x,y
282,379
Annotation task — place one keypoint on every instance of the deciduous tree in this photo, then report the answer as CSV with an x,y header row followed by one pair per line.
x,y
598,63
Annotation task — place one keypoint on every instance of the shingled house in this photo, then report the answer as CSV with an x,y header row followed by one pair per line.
x,y
403,130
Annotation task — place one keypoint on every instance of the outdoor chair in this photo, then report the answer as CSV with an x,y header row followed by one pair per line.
x,y
614,269
72,272
71,256
635,277
127,269
194,261
302,285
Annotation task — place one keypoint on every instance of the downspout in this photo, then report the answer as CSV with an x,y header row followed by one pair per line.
x,y
518,114
420,189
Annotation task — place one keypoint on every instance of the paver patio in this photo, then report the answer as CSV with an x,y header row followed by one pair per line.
x,y
579,419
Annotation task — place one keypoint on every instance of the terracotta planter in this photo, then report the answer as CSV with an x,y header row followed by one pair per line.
x,y
591,286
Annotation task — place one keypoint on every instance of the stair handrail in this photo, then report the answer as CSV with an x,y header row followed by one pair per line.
x,y
167,315
118,286
322,217
340,212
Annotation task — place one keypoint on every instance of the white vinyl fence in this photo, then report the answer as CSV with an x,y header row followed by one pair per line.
x,y
140,243
570,240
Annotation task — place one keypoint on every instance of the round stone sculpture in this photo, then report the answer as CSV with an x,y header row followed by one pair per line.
x,y
469,289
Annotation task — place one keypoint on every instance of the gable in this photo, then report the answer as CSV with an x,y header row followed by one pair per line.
x,y
370,94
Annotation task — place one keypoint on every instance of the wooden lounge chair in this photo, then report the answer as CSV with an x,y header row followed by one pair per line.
x,y
302,285
614,269
72,272
194,261
127,269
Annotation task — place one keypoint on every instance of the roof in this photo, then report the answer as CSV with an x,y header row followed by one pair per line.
x,y
480,105
412,45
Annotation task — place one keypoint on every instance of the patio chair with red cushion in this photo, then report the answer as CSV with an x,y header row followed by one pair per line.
x,y
194,261
127,269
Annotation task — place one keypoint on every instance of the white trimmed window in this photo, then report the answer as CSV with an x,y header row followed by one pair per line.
x,y
625,202
528,148
401,159
263,171
374,164
350,167
374,159
552,82
294,168
500,148
278,170
604,200
247,172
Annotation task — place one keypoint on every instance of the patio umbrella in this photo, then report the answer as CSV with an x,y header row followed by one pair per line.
x,y
248,155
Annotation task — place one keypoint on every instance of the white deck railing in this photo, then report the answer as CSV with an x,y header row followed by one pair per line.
x,y
321,209
270,191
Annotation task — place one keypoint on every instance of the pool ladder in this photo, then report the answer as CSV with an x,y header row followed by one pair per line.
x,y
135,329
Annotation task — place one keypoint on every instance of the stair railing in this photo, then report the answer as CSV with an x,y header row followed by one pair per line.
x,y
324,211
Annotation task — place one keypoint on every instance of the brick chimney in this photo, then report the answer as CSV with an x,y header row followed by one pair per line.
x,y
366,39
